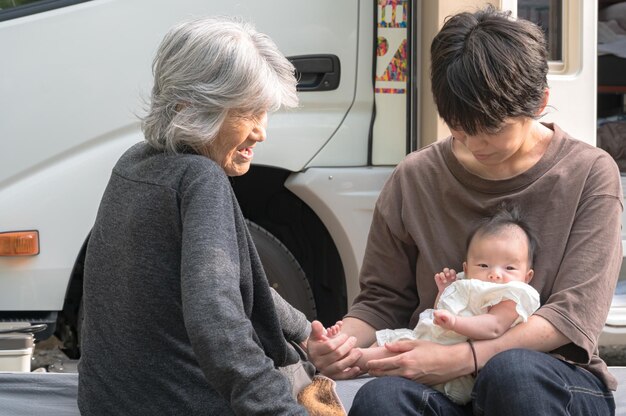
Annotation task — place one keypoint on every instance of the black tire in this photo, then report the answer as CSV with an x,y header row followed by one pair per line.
x,y
283,271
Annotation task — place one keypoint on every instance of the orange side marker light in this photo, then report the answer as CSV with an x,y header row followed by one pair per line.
x,y
19,243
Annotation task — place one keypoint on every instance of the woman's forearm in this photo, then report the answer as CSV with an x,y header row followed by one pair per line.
x,y
293,322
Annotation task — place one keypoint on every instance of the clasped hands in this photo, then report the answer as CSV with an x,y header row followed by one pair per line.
x,y
422,361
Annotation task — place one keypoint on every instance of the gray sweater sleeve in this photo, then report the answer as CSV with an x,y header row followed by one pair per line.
x,y
293,322
221,334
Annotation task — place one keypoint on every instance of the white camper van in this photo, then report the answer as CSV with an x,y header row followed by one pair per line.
x,y
73,75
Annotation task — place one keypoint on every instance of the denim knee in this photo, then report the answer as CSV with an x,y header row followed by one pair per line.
x,y
522,382
400,396
509,365
377,397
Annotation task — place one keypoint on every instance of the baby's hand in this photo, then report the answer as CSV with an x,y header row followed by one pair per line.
x,y
444,319
445,278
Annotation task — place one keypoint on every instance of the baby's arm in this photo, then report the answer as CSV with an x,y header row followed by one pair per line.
x,y
375,352
486,326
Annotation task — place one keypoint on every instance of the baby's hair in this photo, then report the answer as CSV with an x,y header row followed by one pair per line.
x,y
506,215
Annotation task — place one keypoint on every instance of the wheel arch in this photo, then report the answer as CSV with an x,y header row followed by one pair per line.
x,y
67,324
266,201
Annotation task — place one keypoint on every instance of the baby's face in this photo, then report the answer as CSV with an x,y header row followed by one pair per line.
x,y
499,258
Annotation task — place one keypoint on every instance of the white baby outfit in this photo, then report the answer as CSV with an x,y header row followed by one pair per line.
x,y
465,297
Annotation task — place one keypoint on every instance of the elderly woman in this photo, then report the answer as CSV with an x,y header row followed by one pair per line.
x,y
179,317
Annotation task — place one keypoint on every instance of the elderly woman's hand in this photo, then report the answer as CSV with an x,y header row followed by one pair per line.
x,y
425,362
333,356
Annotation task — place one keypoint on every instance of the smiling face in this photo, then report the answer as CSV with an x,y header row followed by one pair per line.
x,y
501,257
232,147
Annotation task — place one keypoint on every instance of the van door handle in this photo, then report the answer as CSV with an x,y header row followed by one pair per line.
x,y
316,72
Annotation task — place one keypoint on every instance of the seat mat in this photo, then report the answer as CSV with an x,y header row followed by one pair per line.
x,y
26,394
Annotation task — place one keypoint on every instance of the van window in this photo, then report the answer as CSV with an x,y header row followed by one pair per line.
x,y
548,14
7,4
12,9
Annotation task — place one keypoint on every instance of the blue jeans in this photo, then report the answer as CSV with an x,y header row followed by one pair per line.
x,y
515,382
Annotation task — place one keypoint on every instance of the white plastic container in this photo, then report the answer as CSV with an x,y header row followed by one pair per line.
x,y
16,352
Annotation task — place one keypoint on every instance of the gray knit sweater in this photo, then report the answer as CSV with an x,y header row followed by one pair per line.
x,y
179,318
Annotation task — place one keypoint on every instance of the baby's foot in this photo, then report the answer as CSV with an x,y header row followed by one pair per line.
x,y
334,330
445,278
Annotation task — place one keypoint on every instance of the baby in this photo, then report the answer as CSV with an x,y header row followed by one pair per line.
x,y
491,296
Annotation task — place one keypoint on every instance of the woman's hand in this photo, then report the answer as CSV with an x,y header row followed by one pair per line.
x,y
424,362
333,356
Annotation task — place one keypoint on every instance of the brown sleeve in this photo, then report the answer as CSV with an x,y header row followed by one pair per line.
x,y
584,286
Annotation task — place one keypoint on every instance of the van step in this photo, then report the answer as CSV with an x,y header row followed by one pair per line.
x,y
34,318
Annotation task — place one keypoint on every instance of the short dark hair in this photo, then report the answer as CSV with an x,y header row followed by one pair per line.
x,y
486,67
506,215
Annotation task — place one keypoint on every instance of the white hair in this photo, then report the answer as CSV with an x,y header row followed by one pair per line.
x,y
206,68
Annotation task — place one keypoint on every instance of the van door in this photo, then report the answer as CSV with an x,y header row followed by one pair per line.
x,y
73,78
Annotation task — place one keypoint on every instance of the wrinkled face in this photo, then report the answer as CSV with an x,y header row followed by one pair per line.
x,y
498,147
232,148
499,258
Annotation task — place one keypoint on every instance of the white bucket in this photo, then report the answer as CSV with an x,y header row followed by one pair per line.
x,y
16,360
16,352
